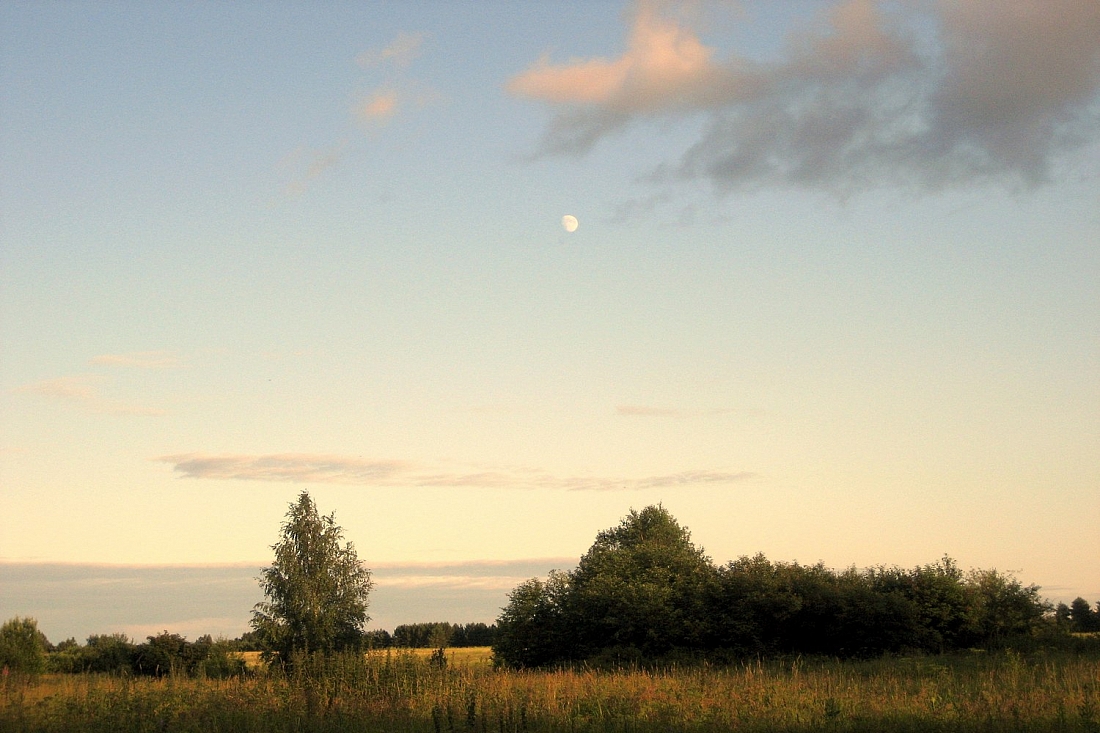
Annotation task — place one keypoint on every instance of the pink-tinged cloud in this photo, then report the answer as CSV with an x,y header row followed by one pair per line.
x,y
139,360
648,411
80,388
643,411
665,66
83,390
404,48
378,108
336,469
868,96
311,164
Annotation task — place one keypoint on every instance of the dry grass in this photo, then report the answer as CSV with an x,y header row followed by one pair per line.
x,y
473,656
401,691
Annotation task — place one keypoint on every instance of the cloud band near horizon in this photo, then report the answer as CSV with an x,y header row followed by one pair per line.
x,y
348,470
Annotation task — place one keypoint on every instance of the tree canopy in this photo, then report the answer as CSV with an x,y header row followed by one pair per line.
x,y
22,646
644,592
316,589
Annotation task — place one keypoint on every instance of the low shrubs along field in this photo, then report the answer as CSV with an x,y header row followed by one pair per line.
x,y
401,691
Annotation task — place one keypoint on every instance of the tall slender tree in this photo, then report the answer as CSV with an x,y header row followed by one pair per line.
x,y
316,589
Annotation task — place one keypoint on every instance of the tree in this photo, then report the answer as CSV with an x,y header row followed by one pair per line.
x,y
22,646
1001,606
641,586
161,655
638,593
108,653
1084,618
316,589
531,630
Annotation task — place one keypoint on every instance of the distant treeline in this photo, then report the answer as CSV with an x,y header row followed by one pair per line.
x,y
24,648
434,635
644,592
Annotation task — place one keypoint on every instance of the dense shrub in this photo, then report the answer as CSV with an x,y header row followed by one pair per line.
x,y
111,653
160,655
644,592
22,646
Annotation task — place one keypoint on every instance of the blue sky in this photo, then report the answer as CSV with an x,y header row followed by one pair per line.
x,y
833,295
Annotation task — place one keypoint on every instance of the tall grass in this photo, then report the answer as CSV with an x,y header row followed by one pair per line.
x,y
1053,691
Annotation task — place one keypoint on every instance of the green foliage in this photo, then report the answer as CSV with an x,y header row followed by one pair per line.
x,y
160,655
435,634
473,634
22,646
532,630
378,639
642,585
112,653
1083,618
1001,606
645,593
216,659
962,693
316,588
423,635
163,654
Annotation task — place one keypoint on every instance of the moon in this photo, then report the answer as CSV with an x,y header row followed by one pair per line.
x,y
569,223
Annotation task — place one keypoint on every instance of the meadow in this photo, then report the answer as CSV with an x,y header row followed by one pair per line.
x,y
1050,690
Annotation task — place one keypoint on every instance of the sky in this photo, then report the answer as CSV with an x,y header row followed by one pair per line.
x,y
834,292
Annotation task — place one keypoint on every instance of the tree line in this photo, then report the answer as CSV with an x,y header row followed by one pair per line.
x,y
434,634
24,648
1078,616
644,591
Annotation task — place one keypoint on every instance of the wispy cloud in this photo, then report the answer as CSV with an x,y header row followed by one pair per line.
x,y
292,467
400,52
379,107
500,582
642,411
139,360
308,164
649,411
924,94
336,469
83,390
371,111
388,102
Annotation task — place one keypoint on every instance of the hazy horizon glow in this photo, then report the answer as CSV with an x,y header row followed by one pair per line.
x,y
835,294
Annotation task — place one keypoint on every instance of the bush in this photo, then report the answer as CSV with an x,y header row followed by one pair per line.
x,y
645,594
162,654
22,646
220,662
110,653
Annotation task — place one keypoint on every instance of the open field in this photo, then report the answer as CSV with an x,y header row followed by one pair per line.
x,y
402,692
475,656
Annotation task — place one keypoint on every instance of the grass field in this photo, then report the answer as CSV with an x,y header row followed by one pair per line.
x,y
475,656
1052,691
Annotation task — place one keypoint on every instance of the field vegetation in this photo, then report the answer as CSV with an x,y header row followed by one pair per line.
x,y
646,634
1047,690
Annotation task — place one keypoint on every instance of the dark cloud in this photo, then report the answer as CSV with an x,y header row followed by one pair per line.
x,y
919,94
76,599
